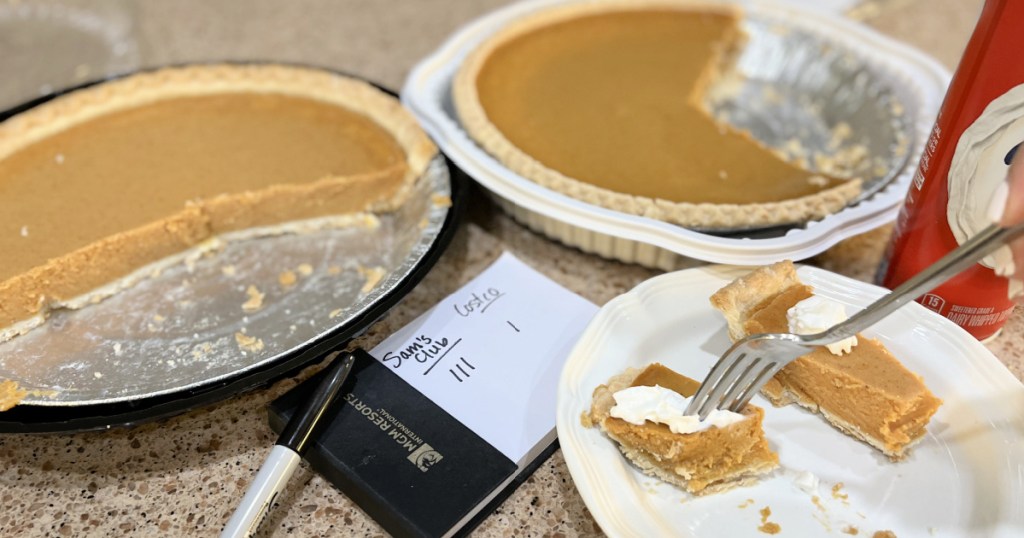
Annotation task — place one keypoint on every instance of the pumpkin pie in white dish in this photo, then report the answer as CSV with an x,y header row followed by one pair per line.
x,y
604,102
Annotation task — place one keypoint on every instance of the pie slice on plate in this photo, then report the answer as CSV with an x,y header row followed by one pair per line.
x,y
866,393
708,459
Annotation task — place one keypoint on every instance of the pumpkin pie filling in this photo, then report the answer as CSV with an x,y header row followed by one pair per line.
x,y
706,461
605,103
99,183
866,393
133,167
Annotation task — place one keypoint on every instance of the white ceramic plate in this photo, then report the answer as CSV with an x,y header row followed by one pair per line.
x,y
965,478
646,241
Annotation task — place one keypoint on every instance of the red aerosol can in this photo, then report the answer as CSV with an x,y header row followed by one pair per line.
x,y
977,134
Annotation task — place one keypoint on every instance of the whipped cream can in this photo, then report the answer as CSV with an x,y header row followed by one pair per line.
x,y
977,134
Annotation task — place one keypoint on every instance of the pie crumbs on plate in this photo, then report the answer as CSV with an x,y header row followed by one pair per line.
x,y
708,460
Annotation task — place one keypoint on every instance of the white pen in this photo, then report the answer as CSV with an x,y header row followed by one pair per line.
x,y
286,454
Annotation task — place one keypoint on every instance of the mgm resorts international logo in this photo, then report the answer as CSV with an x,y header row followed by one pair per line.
x,y
425,457
421,454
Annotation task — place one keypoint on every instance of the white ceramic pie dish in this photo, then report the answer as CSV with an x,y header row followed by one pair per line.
x,y
965,477
920,81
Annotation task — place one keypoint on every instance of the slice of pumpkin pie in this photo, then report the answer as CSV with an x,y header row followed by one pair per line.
x,y
858,386
642,411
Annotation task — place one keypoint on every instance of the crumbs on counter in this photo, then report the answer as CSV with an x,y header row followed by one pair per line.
x,y
255,301
335,313
745,503
248,343
228,270
883,534
768,527
851,530
304,269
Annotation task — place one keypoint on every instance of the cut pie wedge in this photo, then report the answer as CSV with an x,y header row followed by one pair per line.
x,y
866,393
705,461
98,183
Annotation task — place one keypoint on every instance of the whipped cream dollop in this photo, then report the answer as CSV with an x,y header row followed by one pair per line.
x,y
665,406
816,314
807,482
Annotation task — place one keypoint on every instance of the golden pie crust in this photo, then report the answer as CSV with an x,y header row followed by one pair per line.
x,y
704,462
866,393
834,196
54,282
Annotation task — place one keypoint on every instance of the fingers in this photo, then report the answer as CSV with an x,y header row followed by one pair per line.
x,y
1014,213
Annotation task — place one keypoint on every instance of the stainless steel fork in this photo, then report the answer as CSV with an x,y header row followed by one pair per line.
x,y
752,361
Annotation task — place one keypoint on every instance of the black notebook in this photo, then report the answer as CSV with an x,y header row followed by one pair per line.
x,y
452,412
406,462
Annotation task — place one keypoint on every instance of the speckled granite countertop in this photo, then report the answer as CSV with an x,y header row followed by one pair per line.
x,y
184,476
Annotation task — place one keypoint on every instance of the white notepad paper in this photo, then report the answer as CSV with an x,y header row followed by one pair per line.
x,y
491,353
